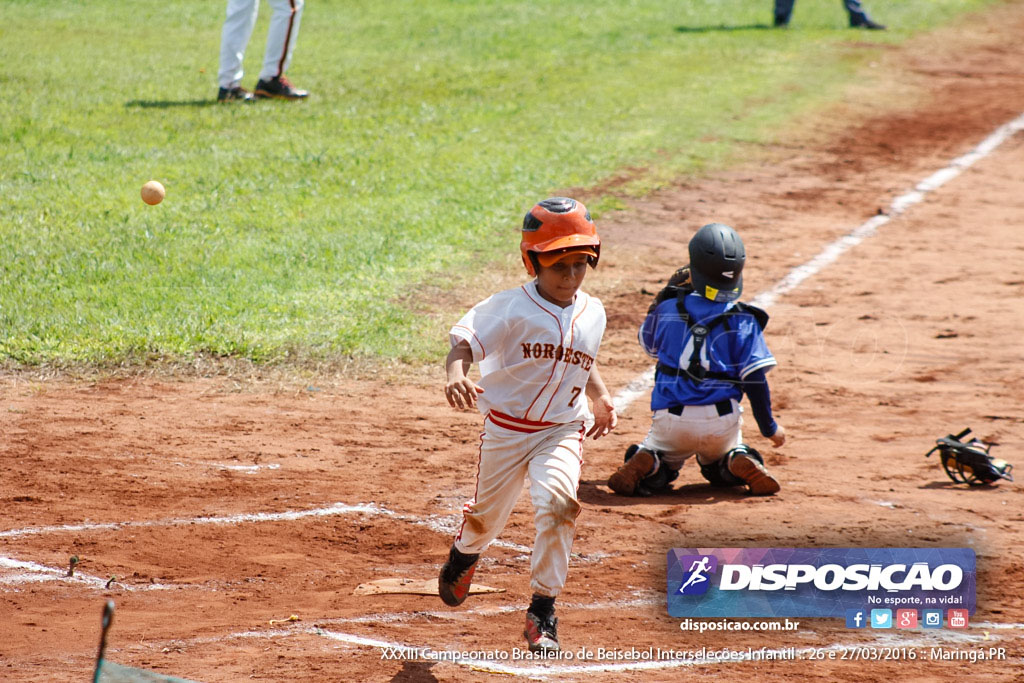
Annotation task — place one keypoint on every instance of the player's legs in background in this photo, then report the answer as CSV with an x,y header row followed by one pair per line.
x,y
284,28
238,25
725,461
699,429
554,471
856,11
720,435
859,16
783,11
671,440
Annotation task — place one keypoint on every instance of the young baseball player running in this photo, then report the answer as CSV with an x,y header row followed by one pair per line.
x,y
710,351
536,346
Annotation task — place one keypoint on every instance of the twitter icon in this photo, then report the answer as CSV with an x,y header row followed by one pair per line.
x,y
881,618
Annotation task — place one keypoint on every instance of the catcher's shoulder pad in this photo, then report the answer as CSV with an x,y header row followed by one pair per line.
x,y
759,314
969,462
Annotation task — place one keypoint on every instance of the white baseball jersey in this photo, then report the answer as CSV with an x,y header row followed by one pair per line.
x,y
534,357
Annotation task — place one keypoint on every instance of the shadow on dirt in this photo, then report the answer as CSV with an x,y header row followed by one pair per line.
x,y
948,485
596,492
415,672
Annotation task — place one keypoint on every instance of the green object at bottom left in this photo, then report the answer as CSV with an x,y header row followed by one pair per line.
x,y
111,672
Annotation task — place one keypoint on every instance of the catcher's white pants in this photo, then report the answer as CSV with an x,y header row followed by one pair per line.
x,y
238,26
551,458
699,431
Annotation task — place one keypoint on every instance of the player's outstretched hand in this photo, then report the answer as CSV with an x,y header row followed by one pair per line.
x,y
462,393
779,437
605,419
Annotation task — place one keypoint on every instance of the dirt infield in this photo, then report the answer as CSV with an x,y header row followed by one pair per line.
x,y
212,510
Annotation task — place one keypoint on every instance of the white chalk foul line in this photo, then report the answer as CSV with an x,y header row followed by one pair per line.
x,y
715,656
332,510
392,650
445,525
32,572
642,383
149,457
247,469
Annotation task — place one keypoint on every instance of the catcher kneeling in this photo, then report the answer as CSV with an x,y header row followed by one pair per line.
x,y
710,351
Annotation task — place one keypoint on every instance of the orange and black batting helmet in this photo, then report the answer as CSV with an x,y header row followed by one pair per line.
x,y
555,227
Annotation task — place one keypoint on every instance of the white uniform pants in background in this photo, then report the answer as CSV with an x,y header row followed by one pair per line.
x,y
699,431
238,26
551,457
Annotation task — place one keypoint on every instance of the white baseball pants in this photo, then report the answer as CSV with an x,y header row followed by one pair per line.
x,y
699,431
238,26
551,458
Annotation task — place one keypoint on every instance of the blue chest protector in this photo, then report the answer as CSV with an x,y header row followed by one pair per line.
x,y
694,370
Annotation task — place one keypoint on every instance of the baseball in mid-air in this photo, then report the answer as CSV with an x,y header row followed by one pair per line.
x,y
153,192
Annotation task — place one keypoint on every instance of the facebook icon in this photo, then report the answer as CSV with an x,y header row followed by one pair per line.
x,y
855,618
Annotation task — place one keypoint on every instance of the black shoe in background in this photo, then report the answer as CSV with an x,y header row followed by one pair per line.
x,y
281,88
865,22
235,94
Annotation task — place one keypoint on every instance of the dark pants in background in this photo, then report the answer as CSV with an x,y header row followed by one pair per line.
x,y
858,15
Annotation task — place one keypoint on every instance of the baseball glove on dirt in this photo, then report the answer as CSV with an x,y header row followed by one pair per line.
x,y
969,462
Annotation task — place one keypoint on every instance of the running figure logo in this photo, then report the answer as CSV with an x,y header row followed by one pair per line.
x,y
696,582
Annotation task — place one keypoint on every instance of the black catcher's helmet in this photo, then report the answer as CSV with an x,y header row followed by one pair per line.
x,y
717,256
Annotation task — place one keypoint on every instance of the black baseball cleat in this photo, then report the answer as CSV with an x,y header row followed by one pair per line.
x,y
235,94
541,633
281,88
865,22
456,577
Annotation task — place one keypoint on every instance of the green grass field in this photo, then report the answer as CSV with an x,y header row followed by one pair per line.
x,y
295,232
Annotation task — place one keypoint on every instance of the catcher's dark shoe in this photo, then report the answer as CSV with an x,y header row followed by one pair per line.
x,y
753,474
235,94
657,483
865,22
781,21
541,633
281,88
637,466
456,577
